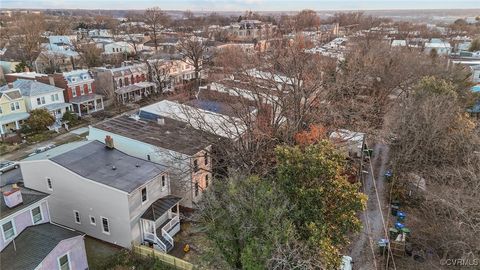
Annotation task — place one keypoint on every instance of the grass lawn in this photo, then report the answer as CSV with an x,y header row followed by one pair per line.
x,y
98,251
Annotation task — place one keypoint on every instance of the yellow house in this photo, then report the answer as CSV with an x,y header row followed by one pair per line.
x,y
12,111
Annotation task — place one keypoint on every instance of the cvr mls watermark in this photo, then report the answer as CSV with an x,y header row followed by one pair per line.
x,y
460,262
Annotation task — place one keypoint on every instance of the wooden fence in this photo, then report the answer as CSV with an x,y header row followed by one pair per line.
x,y
169,259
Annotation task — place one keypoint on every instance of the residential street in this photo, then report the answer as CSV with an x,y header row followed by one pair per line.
x,y
72,135
364,249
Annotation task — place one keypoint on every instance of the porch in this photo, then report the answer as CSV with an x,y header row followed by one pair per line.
x,y
161,222
10,123
87,104
135,92
58,109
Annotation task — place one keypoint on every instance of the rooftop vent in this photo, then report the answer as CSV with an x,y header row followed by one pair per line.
x,y
114,168
13,197
109,142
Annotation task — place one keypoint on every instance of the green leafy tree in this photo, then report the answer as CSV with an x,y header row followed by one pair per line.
x,y
325,203
39,120
70,117
20,67
245,217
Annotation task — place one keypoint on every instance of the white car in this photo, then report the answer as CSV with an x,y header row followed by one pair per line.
x,y
7,165
42,149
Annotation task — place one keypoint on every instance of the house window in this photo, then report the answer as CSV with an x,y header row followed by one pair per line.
x,y
206,158
195,165
49,184
196,189
64,262
82,91
74,92
8,230
206,180
93,221
90,88
36,215
144,194
1,110
54,97
76,214
148,157
15,106
105,225
163,180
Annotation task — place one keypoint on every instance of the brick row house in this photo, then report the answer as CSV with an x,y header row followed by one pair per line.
x,y
78,89
124,84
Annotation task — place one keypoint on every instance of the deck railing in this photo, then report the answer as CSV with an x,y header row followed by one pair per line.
x,y
169,259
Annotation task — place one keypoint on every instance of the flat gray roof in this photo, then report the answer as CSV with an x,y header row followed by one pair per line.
x,y
172,135
96,162
29,197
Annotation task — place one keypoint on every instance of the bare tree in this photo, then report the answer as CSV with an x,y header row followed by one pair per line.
x,y
28,32
155,19
192,49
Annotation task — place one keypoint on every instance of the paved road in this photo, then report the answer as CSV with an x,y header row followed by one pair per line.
x,y
60,139
11,177
373,230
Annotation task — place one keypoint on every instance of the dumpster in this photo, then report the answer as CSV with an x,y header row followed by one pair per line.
x,y
401,216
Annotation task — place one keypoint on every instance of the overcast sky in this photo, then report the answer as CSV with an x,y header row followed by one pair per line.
x,y
241,5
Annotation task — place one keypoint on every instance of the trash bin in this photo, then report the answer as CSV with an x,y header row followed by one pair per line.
x,y
382,245
388,175
393,233
406,231
399,226
401,216
394,210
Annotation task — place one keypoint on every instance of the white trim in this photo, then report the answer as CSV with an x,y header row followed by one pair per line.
x,y
108,223
5,240
90,219
68,260
41,214
83,178
75,212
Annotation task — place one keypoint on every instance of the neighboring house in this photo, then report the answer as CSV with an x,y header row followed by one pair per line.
x,y
171,71
29,241
350,142
78,89
126,84
399,43
107,194
441,47
51,61
121,47
169,142
13,111
247,30
38,95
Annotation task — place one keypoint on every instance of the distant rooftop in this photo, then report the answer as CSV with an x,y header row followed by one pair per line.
x,y
110,167
32,88
29,197
172,135
32,245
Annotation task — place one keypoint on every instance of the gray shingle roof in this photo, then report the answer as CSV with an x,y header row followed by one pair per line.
x,y
33,245
95,162
29,196
32,88
160,206
12,94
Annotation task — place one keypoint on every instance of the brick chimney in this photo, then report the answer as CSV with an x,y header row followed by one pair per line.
x,y
10,85
109,142
13,197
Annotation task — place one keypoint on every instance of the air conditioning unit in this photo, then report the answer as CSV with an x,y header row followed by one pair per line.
x,y
13,197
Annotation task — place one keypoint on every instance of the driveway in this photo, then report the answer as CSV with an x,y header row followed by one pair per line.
x,y
364,250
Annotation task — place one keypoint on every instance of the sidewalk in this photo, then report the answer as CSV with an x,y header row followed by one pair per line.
x,y
72,135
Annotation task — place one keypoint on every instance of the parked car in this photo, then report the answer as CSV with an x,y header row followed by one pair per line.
x,y
7,165
42,149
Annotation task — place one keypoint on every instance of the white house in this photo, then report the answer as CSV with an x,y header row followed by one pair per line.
x,y
120,47
441,47
105,193
40,95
